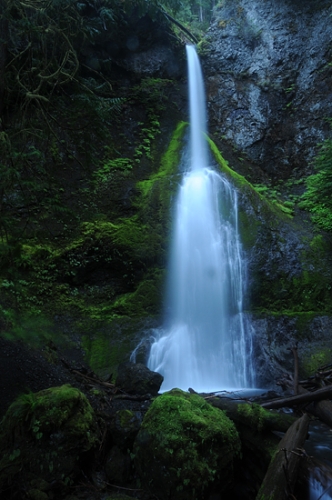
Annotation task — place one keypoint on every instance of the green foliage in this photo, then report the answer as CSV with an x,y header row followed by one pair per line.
x,y
317,198
111,167
195,15
316,360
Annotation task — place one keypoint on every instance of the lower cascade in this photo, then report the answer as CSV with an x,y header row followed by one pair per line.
x,y
204,344
206,340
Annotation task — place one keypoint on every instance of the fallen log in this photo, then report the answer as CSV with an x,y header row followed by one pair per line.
x,y
280,479
253,416
320,409
307,397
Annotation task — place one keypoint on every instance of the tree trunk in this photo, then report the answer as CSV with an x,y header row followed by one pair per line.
x,y
307,397
281,476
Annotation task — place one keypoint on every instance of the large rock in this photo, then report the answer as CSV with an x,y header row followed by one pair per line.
x,y
138,379
44,439
185,448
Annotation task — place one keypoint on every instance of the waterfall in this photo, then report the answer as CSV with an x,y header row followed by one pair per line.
x,y
205,342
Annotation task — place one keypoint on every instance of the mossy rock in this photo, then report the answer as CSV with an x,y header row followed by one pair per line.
x,y
48,433
185,447
125,427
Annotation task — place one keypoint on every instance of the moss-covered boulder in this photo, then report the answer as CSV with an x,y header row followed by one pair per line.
x,y
185,447
44,440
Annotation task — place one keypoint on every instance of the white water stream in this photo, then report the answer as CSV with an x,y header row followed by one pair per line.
x,y
206,341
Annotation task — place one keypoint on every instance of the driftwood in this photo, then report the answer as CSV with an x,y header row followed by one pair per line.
x,y
321,378
307,397
281,475
316,388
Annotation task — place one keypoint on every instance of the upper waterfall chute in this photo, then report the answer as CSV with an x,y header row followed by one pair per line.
x,y
197,108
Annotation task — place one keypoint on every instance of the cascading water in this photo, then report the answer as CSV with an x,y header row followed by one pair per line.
x,y
205,343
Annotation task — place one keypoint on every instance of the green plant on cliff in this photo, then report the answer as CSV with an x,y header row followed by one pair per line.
x,y
317,198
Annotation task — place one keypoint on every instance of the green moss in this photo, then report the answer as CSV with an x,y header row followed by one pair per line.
x,y
98,353
145,300
125,417
53,408
45,433
104,350
127,233
184,445
237,179
169,162
248,228
254,414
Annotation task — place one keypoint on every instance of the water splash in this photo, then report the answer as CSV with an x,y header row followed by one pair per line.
x,y
205,343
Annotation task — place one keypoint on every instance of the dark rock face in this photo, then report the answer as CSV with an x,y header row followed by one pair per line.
x,y
142,48
138,379
288,291
269,80
276,335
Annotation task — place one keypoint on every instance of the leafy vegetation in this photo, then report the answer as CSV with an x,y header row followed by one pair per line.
x,y
317,198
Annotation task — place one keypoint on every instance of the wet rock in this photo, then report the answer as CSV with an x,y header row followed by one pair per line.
x,y
138,379
125,427
117,467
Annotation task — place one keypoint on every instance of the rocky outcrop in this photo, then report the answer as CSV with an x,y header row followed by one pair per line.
x,y
138,379
268,78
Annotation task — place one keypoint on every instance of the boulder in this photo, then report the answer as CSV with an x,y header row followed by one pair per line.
x,y
185,448
138,379
125,427
44,440
117,467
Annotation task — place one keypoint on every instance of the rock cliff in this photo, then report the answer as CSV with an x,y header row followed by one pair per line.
x,y
268,75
